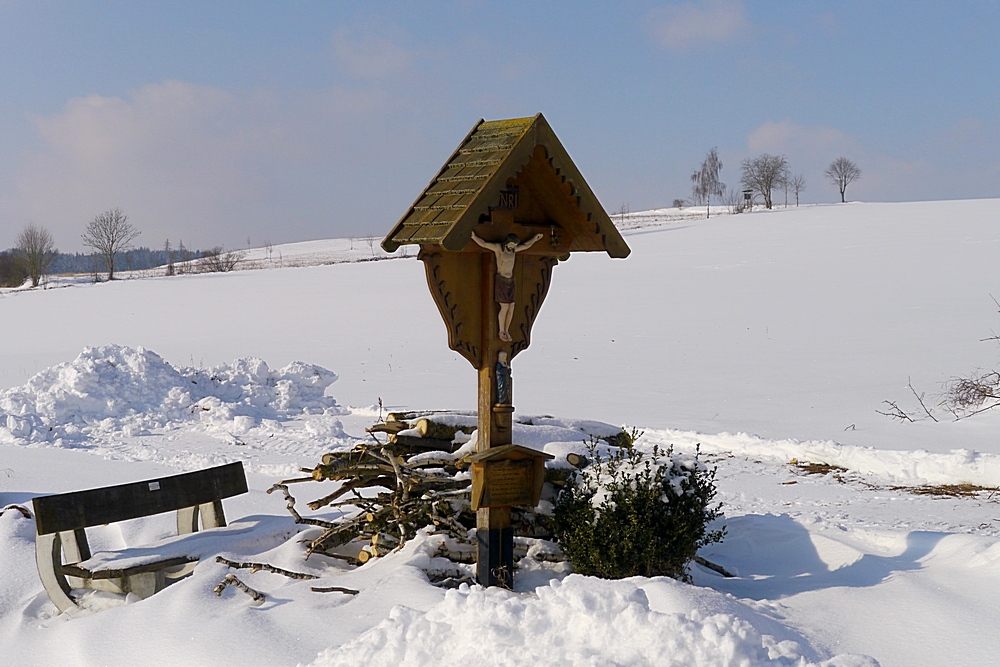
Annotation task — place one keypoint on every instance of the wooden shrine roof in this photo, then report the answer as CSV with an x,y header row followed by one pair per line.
x,y
471,181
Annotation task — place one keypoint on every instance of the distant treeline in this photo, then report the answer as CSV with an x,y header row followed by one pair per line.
x,y
131,260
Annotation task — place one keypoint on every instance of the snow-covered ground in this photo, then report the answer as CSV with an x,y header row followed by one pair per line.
x,y
766,338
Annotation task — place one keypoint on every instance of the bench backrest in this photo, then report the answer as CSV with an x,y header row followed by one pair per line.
x,y
93,507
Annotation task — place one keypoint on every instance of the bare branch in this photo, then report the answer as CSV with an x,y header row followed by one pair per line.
x,y
295,514
231,580
895,412
333,589
17,508
256,567
969,396
920,399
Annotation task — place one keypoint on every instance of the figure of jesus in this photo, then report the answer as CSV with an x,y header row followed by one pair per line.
x,y
503,284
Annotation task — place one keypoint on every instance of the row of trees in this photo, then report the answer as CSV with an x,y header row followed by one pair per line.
x,y
110,236
760,176
34,252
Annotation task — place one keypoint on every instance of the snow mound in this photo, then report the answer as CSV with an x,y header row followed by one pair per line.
x,y
118,390
576,621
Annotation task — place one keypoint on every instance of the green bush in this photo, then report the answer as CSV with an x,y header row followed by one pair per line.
x,y
630,513
13,272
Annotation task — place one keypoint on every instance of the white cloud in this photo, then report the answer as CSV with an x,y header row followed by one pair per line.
x,y
803,141
365,56
692,24
203,164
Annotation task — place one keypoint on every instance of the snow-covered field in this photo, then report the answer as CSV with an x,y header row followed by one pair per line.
x,y
765,338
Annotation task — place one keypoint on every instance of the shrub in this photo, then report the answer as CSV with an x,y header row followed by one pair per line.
x,y
13,271
631,513
215,260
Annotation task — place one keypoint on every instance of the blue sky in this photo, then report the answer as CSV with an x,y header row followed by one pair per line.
x,y
218,122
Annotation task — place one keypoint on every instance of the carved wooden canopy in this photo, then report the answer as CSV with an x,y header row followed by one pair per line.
x,y
506,177
496,157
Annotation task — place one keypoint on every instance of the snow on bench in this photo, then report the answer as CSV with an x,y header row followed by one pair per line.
x,y
62,552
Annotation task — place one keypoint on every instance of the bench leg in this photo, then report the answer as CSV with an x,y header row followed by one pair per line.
x,y
75,549
144,585
212,515
48,558
187,520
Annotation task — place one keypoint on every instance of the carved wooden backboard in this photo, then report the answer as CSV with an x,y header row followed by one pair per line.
x,y
456,283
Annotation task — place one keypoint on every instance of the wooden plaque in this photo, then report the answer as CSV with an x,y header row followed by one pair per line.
x,y
505,483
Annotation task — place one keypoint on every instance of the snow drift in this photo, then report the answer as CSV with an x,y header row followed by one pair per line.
x,y
117,390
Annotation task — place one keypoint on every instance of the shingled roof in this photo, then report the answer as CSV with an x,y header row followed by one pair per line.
x,y
471,181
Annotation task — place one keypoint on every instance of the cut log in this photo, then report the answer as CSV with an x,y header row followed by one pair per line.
x,y
414,444
333,458
577,460
417,414
558,476
388,427
456,556
428,428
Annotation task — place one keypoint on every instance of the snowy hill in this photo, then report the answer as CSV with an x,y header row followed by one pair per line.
x,y
765,337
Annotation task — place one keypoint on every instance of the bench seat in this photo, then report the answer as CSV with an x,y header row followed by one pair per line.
x,y
63,555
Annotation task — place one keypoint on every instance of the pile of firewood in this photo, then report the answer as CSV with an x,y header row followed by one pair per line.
x,y
410,474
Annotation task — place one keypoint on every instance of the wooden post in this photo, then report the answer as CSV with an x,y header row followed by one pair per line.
x,y
494,534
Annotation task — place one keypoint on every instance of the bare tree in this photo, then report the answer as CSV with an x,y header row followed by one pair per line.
x,y
764,173
733,199
841,172
706,182
37,250
169,257
110,233
798,185
623,213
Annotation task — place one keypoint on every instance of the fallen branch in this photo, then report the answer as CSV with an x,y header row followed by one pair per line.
x,y
895,412
297,480
231,580
333,589
256,567
713,567
401,483
920,399
295,514
359,483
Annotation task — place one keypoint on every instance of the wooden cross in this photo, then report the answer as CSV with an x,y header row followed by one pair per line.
x,y
501,213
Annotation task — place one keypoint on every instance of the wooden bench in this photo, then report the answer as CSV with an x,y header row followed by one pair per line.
x,y
61,548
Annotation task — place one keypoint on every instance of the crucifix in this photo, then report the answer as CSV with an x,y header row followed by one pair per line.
x,y
508,180
503,282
